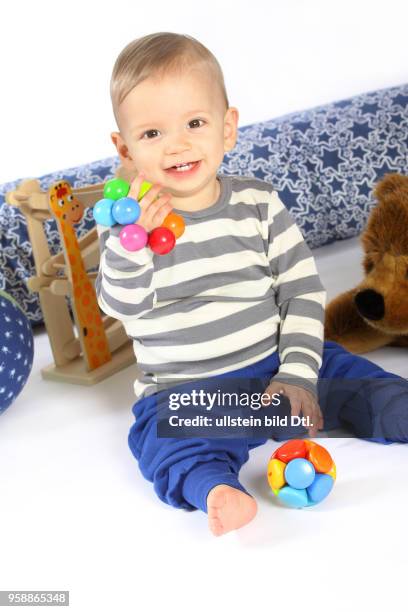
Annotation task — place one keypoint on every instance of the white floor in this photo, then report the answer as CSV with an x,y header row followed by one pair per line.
x,y
75,513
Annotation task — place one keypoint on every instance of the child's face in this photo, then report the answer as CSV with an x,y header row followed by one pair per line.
x,y
175,119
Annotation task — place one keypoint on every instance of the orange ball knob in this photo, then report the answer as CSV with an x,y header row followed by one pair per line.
x,y
174,223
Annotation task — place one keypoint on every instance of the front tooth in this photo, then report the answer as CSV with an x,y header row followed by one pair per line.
x,y
185,166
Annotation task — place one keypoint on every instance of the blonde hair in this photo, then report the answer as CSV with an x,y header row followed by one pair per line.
x,y
156,54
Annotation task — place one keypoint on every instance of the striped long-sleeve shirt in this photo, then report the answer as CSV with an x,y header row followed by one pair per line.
x,y
239,284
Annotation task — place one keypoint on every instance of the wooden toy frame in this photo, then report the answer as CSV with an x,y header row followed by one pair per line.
x,y
53,284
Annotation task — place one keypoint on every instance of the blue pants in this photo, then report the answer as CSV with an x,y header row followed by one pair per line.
x,y
183,471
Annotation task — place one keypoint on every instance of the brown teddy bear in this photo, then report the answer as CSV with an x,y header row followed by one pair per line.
x,y
375,313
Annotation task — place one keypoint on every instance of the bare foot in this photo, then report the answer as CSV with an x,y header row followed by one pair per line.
x,y
229,508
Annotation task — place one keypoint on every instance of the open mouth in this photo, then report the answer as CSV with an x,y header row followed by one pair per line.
x,y
182,168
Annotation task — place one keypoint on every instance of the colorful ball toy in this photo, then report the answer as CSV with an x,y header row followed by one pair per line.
x,y
16,350
301,473
117,208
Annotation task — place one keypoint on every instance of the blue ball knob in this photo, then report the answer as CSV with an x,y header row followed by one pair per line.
x,y
126,211
320,488
102,212
299,473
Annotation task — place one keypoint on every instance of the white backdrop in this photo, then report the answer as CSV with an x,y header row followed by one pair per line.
x,y
277,57
75,511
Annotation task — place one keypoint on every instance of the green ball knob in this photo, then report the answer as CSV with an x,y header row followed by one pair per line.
x,y
116,188
144,189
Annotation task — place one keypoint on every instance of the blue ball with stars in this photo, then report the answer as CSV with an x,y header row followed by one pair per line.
x,y
16,350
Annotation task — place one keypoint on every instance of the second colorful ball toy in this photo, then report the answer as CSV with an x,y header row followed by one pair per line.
x,y
301,473
117,208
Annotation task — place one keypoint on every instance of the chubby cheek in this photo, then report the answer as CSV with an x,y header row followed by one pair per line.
x,y
216,151
219,156
146,158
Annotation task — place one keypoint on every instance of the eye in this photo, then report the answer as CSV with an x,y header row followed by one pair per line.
x,y
368,265
196,120
70,198
149,132
61,203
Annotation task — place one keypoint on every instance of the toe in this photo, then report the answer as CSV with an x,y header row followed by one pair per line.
x,y
216,526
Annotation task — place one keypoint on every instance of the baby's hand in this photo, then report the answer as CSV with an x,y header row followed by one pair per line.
x,y
300,400
153,211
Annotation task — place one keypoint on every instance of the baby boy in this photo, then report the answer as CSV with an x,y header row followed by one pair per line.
x,y
239,288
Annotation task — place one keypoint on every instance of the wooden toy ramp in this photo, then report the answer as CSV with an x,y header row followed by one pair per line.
x,y
90,346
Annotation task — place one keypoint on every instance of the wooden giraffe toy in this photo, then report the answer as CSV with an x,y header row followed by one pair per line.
x,y
68,210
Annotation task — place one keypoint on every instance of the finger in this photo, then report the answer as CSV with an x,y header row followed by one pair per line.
x,y
296,406
317,414
136,185
266,397
308,412
315,419
149,196
320,418
164,208
152,195
271,390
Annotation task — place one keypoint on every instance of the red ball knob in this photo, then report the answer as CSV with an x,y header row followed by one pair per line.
x,y
161,240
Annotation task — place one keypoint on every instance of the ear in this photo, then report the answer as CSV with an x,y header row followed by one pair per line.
x,y
389,184
230,128
123,151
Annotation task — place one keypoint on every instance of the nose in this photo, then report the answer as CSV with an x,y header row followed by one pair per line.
x,y
177,149
370,304
177,143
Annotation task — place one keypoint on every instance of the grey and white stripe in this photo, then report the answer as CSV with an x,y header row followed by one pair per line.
x,y
240,284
